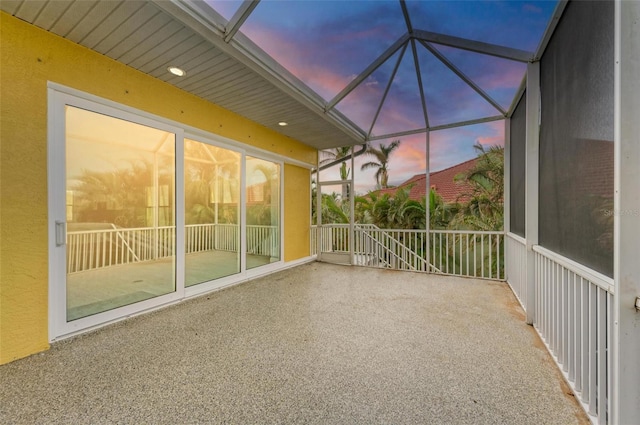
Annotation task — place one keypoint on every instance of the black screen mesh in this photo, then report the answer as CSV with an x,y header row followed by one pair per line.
x,y
517,167
576,136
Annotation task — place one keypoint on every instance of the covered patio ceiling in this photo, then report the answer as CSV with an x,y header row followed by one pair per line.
x,y
338,73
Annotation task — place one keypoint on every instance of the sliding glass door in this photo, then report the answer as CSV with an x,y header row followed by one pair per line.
x,y
212,216
120,212
141,216
263,212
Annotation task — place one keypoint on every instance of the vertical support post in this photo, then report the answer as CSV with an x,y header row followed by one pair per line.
x,y
319,232
428,199
507,176
506,194
352,205
531,182
626,335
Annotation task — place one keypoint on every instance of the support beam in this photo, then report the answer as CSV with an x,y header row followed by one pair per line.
x,y
368,71
551,27
238,18
423,99
407,18
626,335
532,182
474,46
442,58
437,127
386,90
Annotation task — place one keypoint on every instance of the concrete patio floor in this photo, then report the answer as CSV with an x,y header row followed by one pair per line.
x,y
318,343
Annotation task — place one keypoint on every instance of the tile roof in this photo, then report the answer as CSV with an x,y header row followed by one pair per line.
x,y
442,181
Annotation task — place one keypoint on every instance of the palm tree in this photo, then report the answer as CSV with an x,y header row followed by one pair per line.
x,y
334,155
382,156
484,209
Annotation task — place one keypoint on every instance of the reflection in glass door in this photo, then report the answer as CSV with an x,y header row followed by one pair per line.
x,y
212,216
263,212
120,211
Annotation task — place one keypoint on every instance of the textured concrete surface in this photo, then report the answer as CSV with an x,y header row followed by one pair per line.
x,y
315,344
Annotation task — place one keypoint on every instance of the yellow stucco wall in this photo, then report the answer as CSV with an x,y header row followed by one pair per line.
x,y
29,57
297,212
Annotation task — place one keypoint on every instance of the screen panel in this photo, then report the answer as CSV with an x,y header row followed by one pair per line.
x,y
517,167
576,137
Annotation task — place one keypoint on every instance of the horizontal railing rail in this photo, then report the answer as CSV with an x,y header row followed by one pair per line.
x,y
574,317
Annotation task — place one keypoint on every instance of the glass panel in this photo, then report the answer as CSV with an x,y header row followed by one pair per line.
x,y
402,109
517,170
458,201
499,78
263,212
120,194
362,103
576,137
516,24
451,100
325,43
212,217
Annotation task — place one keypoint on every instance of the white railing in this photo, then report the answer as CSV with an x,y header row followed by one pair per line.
x,y
200,237
515,253
396,249
461,253
227,237
94,249
263,240
468,253
313,240
334,238
574,317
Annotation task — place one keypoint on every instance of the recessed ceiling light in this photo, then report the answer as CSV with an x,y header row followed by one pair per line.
x,y
283,124
177,71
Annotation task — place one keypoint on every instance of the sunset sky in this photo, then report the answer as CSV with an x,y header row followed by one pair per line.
x,y
328,43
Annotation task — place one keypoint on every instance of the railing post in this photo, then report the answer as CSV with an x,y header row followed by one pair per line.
x,y
531,182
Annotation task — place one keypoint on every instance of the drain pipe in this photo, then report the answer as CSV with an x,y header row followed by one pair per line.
x,y
341,160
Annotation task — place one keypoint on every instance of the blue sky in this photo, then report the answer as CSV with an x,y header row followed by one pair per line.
x,y
327,43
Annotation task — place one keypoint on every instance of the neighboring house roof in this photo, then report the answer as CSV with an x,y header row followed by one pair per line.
x,y
442,181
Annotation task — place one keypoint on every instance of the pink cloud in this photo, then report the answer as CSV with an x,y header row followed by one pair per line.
x,y
497,138
510,77
287,52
